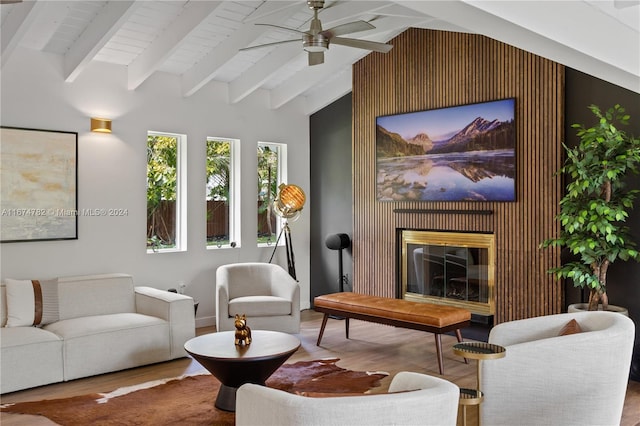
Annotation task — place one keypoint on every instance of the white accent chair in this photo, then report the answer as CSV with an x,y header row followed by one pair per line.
x,y
431,401
547,379
265,293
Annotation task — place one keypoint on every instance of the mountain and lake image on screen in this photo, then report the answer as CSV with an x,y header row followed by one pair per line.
x,y
461,153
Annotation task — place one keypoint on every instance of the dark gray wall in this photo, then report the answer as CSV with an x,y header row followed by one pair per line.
x,y
331,194
623,278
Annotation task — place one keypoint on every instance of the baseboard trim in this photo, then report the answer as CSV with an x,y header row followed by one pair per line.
x,y
205,322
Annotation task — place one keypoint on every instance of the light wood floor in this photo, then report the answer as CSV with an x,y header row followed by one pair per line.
x,y
371,347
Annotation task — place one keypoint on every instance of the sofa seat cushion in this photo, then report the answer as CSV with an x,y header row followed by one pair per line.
x,y
101,324
24,336
259,306
89,342
30,357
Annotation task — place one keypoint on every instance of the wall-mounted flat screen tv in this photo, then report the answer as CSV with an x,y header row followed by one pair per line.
x,y
460,153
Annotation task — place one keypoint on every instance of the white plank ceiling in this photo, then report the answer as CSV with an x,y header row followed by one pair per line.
x,y
200,41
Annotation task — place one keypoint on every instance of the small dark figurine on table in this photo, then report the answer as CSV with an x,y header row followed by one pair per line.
x,y
243,332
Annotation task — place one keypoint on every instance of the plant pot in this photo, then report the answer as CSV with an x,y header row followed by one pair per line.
x,y
579,307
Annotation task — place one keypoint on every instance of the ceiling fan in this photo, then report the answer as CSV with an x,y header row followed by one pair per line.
x,y
316,40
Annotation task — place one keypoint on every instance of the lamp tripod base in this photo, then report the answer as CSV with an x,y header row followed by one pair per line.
x,y
291,260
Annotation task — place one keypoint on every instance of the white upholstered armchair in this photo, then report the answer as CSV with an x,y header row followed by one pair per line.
x,y
432,401
547,379
265,293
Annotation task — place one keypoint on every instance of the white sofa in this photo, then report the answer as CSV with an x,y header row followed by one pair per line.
x,y
103,324
547,379
413,399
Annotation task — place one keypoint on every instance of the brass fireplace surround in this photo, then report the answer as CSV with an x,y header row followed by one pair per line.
x,y
450,268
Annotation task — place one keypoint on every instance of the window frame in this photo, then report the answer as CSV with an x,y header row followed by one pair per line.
x,y
235,240
181,194
281,178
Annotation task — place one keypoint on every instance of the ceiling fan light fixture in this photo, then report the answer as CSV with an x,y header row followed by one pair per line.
x,y
319,43
315,48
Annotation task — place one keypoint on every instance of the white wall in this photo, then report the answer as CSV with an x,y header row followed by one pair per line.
x,y
112,171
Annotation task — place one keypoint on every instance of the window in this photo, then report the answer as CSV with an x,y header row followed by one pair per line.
x,y
166,192
222,193
272,171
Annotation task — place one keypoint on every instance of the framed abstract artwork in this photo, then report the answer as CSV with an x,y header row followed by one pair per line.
x,y
39,185
460,153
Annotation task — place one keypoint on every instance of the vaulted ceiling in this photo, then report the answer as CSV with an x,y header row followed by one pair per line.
x,y
200,41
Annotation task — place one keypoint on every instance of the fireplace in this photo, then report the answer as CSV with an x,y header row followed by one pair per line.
x,y
450,268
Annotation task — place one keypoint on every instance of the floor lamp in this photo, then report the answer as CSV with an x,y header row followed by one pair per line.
x,y
339,242
288,205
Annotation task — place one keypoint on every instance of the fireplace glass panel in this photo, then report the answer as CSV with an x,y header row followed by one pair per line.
x,y
449,271
448,268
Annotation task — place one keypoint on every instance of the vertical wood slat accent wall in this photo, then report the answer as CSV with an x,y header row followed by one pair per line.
x,y
430,69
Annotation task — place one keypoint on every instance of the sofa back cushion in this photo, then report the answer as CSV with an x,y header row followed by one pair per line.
x,y
88,295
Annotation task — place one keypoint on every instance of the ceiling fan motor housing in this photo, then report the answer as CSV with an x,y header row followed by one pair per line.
x,y
314,40
315,4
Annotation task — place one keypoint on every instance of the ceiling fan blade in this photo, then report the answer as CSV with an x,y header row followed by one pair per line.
x,y
261,15
284,28
316,58
362,44
275,43
351,27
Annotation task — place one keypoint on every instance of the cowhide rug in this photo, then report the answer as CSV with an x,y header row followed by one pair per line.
x,y
188,400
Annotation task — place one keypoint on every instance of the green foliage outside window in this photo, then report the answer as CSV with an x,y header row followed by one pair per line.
x,y
218,186
267,190
162,156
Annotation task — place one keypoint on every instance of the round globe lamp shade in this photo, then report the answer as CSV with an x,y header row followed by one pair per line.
x,y
290,201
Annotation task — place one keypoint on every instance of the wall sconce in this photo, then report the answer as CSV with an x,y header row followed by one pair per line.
x,y
100,125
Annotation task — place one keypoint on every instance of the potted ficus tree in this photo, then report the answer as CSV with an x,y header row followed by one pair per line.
x,y
596,205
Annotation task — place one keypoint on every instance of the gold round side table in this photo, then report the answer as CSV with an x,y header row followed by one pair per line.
x,y
469,397
479,351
